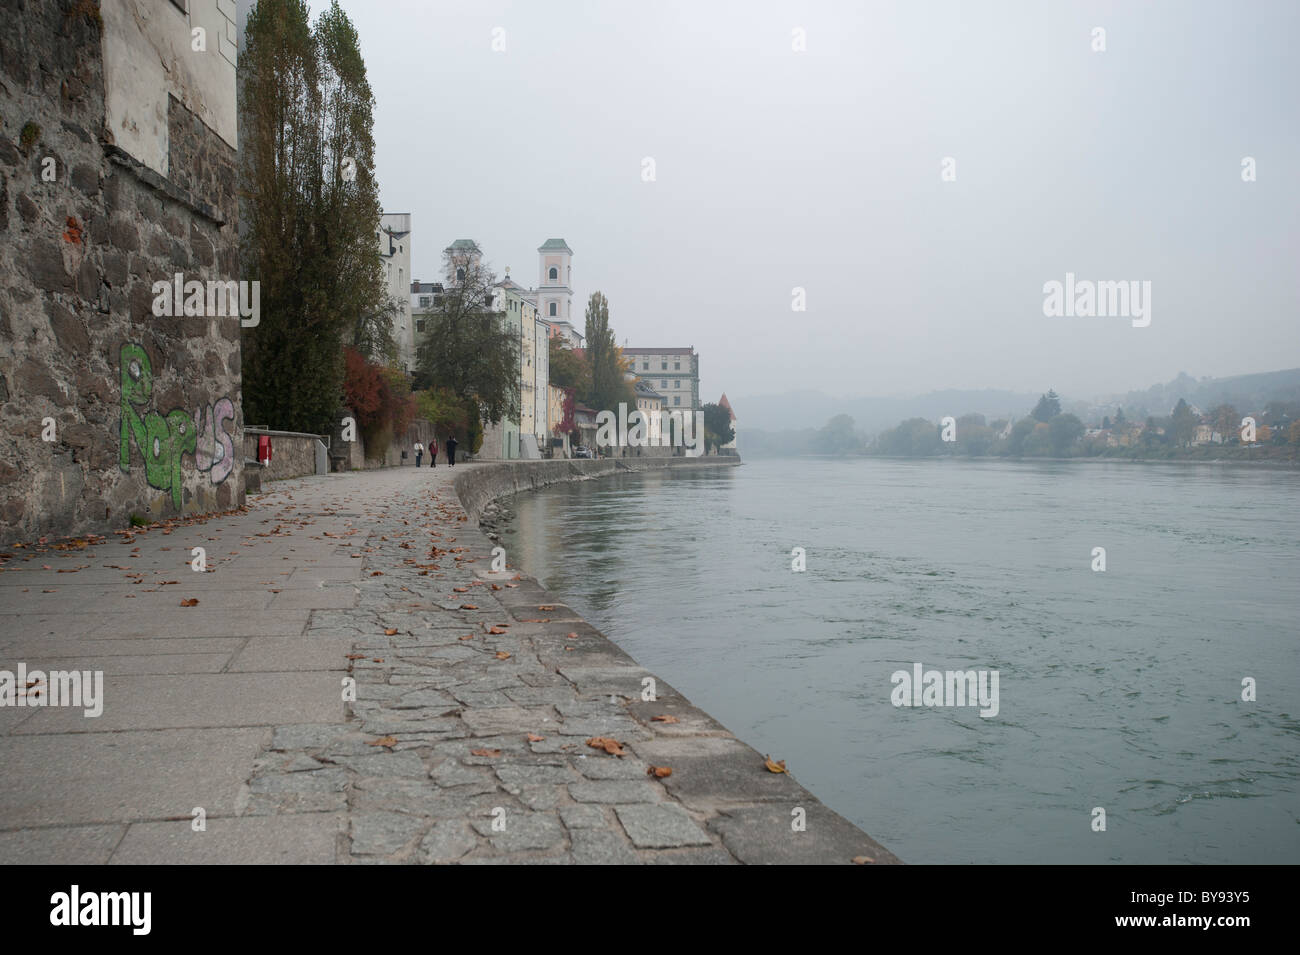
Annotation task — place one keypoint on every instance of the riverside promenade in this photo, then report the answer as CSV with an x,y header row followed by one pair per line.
x,y
350,681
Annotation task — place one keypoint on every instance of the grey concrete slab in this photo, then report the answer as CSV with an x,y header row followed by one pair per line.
x,y
309,838
201,699
59,845
765,835
80,778
293,653
124,664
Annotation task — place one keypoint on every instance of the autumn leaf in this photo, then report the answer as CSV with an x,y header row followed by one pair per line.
x,y
502,655
485,752
534,738
460,590
496,630
391,631
468,607
664,719
356,656
496,586
571,636
611,746
774,766
863,860
376,573
192,602
545,607
382,741
468,636
659,772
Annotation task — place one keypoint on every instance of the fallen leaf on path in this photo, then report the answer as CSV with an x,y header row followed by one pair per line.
x,y
382,741
659,772
534,738
862,860
468,636
390,631
468,607
192,602
485,752
502,655
665,718
355,656
774,766
545,607
611,746
496,630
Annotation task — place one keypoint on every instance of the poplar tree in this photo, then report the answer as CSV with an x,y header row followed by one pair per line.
x,y
605,359
310,211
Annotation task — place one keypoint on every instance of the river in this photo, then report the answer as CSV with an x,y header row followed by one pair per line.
x,y
1118,690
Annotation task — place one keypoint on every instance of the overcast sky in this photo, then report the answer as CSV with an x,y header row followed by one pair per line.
x,y
821,170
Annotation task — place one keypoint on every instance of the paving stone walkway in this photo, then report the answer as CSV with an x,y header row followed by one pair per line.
x,y
356,684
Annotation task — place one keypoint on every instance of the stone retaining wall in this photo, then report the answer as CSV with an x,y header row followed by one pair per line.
x,y
293,454
480,484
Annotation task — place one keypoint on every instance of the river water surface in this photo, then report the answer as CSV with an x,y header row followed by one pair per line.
x,y
1119,689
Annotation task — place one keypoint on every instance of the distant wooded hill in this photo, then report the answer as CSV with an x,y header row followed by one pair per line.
x,y
786,424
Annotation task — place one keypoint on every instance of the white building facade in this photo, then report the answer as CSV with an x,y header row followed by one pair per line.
x,y
394,238
673,372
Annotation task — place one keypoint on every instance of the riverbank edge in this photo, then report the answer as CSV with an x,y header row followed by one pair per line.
x,y
716,776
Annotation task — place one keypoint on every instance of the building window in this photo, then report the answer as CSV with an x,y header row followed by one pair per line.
x,y
645,366
552,310
677,366
677,399
664,383
419,324
460,275
425,300
677,382
555,273
663,366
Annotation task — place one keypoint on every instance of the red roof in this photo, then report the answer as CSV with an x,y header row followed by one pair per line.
x,y
727,404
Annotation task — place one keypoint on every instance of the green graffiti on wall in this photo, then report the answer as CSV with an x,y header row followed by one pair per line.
x,y
162,439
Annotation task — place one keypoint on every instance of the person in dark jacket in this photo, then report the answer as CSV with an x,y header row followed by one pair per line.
x,y
451,450
433,452
419,455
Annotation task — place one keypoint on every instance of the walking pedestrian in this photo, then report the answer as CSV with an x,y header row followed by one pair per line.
x,y
419,455
451,450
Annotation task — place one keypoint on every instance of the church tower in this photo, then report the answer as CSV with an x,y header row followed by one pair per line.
x,y
555,285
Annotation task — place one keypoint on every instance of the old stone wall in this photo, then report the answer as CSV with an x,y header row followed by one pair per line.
x,y
293,454
105,409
